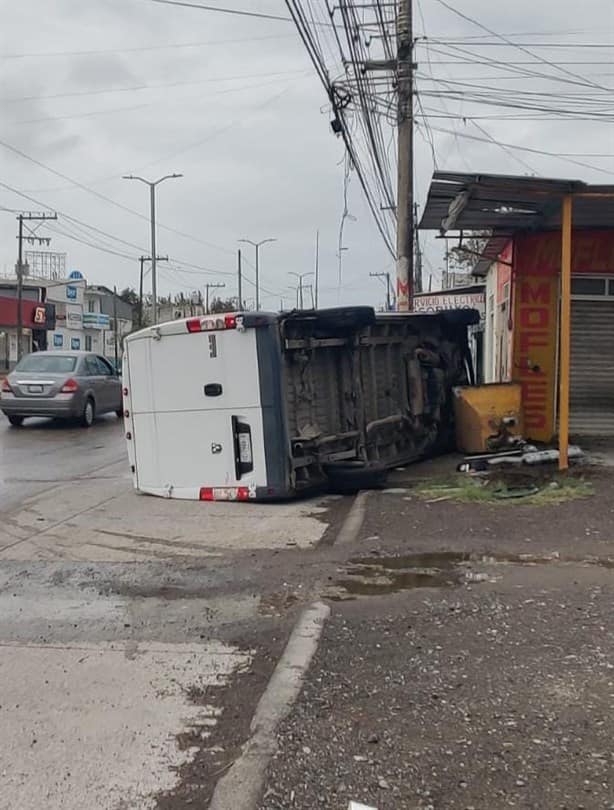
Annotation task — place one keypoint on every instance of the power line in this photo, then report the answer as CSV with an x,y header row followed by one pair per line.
x,y
522,48
163,85
105,234
142,48
220,10
525,149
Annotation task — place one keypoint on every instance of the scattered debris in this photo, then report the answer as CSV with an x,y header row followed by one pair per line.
x,y
525,454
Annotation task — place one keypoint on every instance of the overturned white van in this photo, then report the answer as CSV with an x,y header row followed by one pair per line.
x,y
260,405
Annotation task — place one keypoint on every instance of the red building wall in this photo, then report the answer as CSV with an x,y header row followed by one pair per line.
x,y
536,283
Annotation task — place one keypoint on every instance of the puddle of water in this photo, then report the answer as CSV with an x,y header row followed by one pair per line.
x,y
367,581
372,576
429,559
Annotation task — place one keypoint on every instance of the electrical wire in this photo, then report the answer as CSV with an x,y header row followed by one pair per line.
x,y
220,10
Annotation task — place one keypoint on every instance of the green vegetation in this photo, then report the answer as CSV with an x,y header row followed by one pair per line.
x,y
466,489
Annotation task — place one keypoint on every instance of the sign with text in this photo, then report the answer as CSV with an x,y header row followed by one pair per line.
x,y
591,252
450,300
535,340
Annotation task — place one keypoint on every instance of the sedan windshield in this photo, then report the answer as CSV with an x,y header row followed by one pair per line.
x,y
47,364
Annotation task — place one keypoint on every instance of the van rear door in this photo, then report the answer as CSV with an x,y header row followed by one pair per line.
x,y
196,411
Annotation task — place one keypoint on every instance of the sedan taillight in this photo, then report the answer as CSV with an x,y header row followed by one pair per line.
x,y
70,387
6,388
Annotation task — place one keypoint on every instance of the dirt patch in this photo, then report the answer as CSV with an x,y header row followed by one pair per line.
x,y
215,747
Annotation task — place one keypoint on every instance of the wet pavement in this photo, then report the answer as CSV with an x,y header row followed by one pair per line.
x,y
136,633
43,453
468,663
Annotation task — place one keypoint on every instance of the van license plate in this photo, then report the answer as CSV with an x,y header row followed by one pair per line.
x,y
245,448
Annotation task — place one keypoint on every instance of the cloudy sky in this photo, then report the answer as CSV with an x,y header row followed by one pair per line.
x,y
94,89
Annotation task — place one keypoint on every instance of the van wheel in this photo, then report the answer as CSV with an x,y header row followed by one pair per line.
x,y
347,477
89,412
16,421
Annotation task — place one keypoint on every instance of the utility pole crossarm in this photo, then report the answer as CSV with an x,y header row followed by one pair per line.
x,y
211,286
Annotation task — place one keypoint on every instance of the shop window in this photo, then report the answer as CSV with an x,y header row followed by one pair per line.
x,y
581,285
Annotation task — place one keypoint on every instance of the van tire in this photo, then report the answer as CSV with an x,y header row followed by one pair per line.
x,y
15,421
348,477
88,414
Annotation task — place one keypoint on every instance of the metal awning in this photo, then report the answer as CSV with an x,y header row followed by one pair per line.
x,y
507,204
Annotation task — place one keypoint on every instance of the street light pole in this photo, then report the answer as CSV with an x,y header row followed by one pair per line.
x,y
152,203
257,245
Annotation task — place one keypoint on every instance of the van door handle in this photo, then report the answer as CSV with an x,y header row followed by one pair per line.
x,y
213,390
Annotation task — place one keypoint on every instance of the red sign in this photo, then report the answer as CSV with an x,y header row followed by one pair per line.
x,y
535,337
29,314
39,316
540,253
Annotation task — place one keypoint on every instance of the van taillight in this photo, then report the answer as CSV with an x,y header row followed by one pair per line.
x,y
70,387
224,494
6,388
207,324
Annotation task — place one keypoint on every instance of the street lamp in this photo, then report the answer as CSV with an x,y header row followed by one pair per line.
x,y
257,246
300,277
152,199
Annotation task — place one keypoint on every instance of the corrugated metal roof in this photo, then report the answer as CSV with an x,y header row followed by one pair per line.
x,y
507,204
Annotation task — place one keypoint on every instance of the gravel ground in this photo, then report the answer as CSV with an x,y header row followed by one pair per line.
x,y
476,684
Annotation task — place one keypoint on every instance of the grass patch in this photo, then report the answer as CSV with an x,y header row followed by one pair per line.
x,y
499,490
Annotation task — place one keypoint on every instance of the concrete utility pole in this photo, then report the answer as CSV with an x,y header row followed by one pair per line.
x,y
152,204
20,267
388,285
115,327
299,290
210,286
405,180
142,260
317,270
257,245
239,280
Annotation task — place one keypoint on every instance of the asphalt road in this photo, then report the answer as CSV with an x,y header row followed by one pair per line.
x,y
43,453
136,633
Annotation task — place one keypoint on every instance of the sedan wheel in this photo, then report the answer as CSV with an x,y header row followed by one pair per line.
x,y
87,417
16,421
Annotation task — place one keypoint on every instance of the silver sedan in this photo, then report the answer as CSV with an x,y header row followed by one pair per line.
x,y
61,385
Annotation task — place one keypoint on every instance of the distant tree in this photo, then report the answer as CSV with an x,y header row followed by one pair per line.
x,y
130,296
223,305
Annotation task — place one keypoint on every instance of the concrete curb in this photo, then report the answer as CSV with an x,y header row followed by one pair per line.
x,y
240,788
354,520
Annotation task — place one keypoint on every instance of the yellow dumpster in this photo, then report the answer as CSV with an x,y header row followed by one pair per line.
x,y
488,417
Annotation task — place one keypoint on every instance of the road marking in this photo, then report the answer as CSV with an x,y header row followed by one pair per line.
x,y
241,786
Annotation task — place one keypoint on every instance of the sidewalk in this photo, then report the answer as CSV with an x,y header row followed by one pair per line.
x,y
478,674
